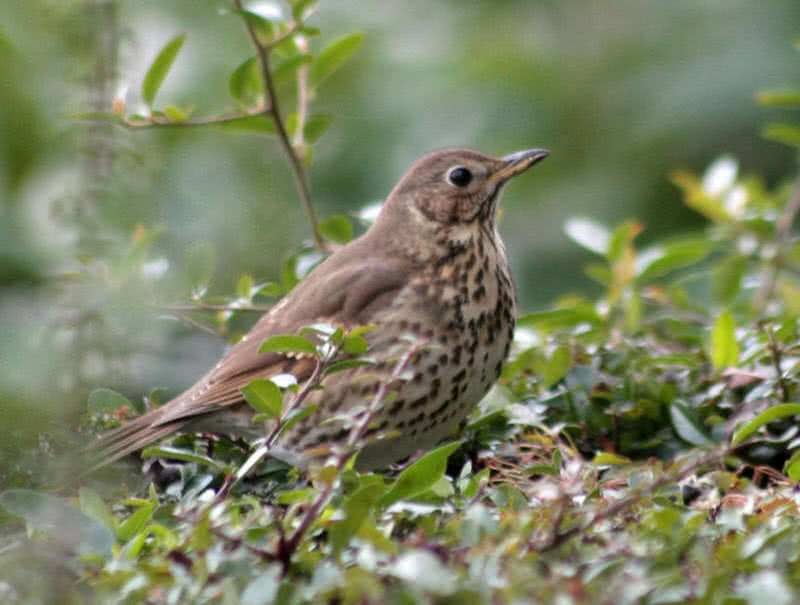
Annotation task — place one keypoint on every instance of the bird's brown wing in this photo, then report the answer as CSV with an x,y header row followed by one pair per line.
x,y
345,291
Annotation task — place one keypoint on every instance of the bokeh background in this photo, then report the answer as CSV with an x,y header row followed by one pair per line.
x,y
621,91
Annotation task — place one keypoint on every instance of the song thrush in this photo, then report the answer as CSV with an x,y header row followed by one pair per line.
x,y
432,267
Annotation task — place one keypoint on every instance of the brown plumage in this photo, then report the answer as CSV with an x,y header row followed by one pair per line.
x,y
432,267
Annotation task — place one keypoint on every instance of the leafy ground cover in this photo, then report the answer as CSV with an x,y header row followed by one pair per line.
x,y
642,445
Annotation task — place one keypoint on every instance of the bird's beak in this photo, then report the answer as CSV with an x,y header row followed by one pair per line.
x,y
517,163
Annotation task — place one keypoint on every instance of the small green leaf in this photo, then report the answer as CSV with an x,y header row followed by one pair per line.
x,y
287,343
264,396
356,508
287,68
686,425
788,134
56,517
244,84
315,127
199,268
420,476
175,113
177,453
674,256
608,458
772,413
159,68
333,57
337,228
263,28
780,97
696,197
347,364
557,366
296,415
299,7
136,522
727,278
106,400
354,344
268,289
792,466
244,287
255,124
620,239
561,318
588,233
724,349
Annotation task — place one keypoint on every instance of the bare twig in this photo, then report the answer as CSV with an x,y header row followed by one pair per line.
x,y
777,355
273,108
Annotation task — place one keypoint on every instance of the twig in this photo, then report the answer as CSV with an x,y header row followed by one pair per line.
x,y
777,355
183,308
273,108
159,122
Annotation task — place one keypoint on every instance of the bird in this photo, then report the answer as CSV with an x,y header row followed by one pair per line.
x,y
432,270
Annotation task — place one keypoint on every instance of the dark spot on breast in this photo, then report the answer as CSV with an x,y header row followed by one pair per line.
x,y
397,406
460,376
418,403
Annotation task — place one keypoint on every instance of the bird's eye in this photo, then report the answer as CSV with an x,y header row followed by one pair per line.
x,y
459,176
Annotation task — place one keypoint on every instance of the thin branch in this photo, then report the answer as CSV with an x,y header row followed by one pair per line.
x,y
273,107
159,122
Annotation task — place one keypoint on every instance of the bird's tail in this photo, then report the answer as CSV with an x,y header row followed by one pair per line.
x,y
133,435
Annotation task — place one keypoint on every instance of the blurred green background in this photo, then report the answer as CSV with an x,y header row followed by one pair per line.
x,y
621,91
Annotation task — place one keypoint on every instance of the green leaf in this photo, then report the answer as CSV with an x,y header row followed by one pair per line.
x,y
724,349
244,287
287,343
255,124
244,84
263,28
788,134
780,97
561,318
420,476
136,522
347,364
727,278
92,504
264,396
792,466
57,518
287,68
199,268
557,366
333,57
177,453
315,127
337,228
159,68
671,257
106,400
357,509
621,238
299,7
355,344
696,197
686,425
607,458
588,234
775,412
175,113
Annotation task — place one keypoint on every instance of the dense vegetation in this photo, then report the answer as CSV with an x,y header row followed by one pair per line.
x,y
642,445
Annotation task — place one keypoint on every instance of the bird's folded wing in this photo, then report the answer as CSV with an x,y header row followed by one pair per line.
x,y
347,296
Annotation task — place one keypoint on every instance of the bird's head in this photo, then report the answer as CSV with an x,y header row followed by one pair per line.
x,y
457,185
